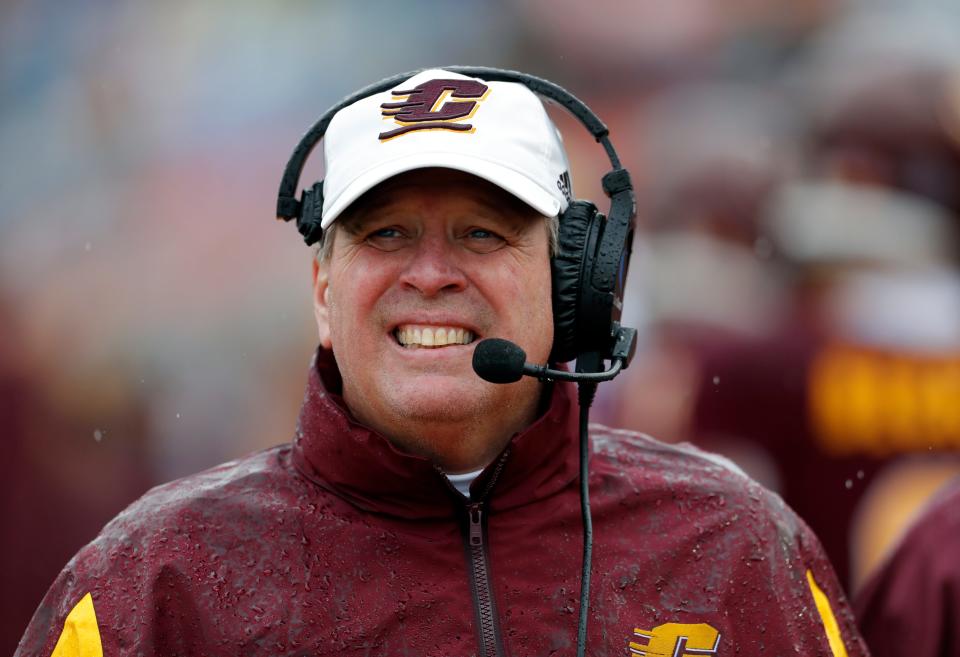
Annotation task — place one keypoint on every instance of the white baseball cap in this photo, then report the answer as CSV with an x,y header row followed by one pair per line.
x,y
498,131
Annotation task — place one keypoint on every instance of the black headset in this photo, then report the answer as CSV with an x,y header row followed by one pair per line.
x,y
590,269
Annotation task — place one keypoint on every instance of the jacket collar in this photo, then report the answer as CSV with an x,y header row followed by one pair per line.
x,y
336,452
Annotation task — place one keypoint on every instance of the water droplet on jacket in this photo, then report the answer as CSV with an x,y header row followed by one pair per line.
x,y
848,484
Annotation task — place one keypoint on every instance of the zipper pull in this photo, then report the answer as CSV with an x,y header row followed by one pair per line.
x,y
475,511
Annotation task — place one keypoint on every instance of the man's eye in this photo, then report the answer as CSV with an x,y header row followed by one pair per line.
x,y
482,240
388,238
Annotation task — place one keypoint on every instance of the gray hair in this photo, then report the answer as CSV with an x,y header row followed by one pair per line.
x,y
325,248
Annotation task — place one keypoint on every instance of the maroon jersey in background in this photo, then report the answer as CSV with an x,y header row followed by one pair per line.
x,y
830,415
912,605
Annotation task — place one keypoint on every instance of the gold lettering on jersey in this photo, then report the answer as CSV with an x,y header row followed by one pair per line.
x,y
875,403
676,640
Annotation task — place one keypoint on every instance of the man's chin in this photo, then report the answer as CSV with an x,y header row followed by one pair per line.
x,y
439,398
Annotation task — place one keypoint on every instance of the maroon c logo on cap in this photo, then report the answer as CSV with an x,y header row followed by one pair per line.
x,y
423,109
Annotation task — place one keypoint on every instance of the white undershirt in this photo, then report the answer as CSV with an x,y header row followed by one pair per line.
x,y
462,481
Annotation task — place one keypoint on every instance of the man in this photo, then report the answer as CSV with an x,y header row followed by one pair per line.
x,y
912,603
421,510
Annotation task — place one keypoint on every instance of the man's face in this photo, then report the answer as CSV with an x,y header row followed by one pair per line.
x,y
427,254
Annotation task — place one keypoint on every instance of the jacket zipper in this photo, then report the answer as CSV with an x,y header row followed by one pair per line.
x,y
483,604
485,609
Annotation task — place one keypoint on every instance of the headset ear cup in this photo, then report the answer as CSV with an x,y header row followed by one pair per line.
x,y
311,214
568,276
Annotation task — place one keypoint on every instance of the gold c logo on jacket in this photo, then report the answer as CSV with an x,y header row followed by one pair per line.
x,y
435,105
676,640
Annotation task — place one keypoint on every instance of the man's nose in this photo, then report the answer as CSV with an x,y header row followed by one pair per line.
x,y
433,267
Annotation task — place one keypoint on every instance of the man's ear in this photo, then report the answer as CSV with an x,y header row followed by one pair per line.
x,y
321,305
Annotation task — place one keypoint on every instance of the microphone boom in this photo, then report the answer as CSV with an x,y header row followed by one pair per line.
x,y
500,361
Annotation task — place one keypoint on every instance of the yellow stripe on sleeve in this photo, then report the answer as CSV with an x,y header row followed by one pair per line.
x,y
826,616
80,636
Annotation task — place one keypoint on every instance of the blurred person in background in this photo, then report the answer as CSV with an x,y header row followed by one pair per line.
x,y
878,230
713,153
50,492
821,397
863,370
911,604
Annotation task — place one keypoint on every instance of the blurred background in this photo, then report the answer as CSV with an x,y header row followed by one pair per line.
x,y
795,274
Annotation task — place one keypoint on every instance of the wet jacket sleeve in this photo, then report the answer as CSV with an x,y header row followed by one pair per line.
x,y
70,619
133,591
110,600
829,612
798,605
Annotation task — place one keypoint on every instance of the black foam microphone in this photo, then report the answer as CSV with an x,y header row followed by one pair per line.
x,y
500,361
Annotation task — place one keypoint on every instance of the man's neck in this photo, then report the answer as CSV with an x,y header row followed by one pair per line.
x,y
460,446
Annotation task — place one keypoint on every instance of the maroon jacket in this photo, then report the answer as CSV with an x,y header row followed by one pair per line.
x,y
340,545
911,606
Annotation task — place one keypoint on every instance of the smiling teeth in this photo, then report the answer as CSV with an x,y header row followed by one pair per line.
x,y
433,336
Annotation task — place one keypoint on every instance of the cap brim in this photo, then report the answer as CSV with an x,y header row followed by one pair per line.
x,y
508,179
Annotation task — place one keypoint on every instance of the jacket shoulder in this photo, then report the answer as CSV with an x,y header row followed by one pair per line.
x,y
691,503
228,491
636,453
155,559
685,475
